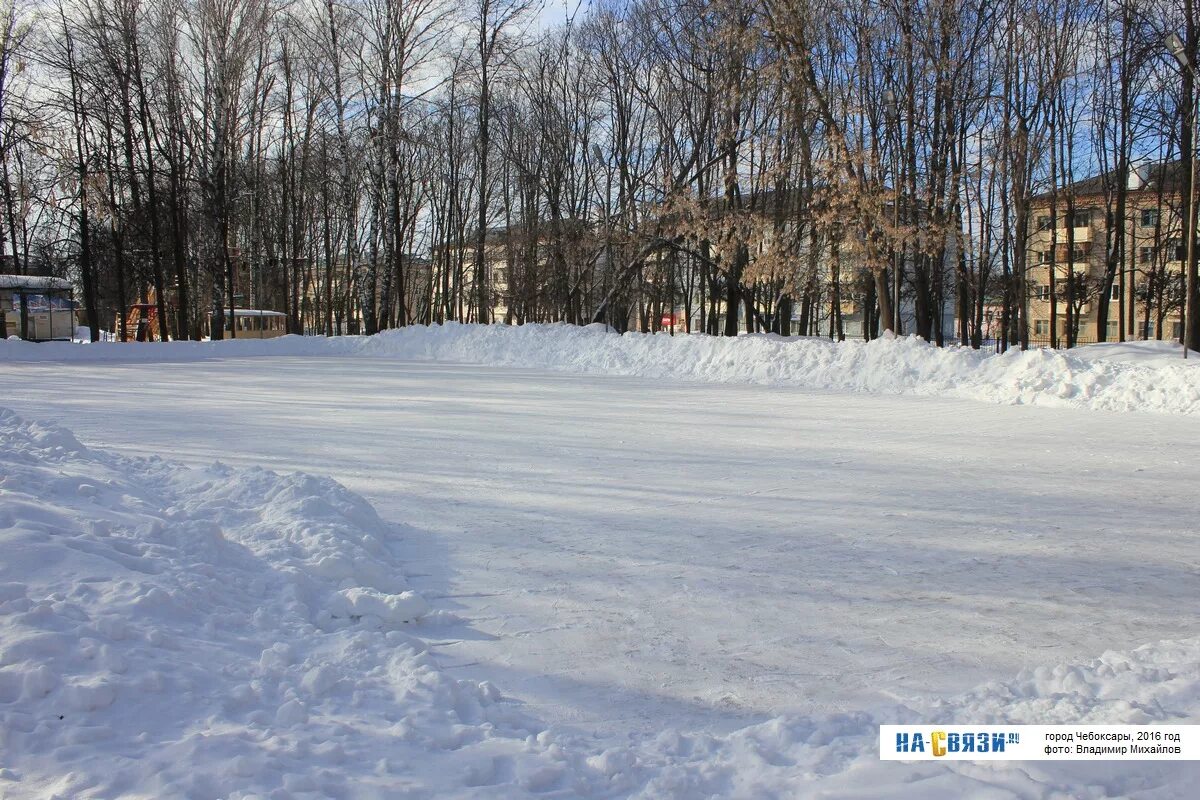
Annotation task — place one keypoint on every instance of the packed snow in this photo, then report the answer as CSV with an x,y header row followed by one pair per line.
x,y
212,632
1132,376
577,585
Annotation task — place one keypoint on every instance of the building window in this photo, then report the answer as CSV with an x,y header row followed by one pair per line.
x,y
1146,255
1114,292
1045,222
1175,247
1078,254
1111,331
1080,219
1041,291
1149,217
1042,257
1041,327
1147,330
1177,330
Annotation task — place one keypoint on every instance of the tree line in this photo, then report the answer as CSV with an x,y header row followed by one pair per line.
x,y
746,164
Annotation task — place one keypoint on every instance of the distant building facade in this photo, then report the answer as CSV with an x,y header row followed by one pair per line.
x,y
523,266
1071,238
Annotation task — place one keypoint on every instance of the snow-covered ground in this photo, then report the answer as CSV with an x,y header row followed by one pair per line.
x,y
622,586
1135,376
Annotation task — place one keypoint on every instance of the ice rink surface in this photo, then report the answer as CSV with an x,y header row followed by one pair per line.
x,y
628,554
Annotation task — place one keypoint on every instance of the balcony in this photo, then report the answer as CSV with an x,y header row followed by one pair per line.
x,y
1041,305
1081,235
1063,265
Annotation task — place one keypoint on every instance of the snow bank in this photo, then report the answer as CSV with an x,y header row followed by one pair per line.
x,y
838,756
907,366
177,632
1143,376
168,631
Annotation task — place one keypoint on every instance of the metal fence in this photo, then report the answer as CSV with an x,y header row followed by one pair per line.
x,y
1044,341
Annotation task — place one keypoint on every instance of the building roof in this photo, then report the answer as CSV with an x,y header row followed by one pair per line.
x,y
1171,176
39,283
500,233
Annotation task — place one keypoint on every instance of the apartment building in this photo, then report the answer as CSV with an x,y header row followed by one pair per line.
x,y
1070,238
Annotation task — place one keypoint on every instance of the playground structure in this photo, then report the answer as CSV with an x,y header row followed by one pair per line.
x,y
142,323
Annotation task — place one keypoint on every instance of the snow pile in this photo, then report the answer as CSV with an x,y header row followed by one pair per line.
x,y
1143,376
167,631
176,632
906,366
838,756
